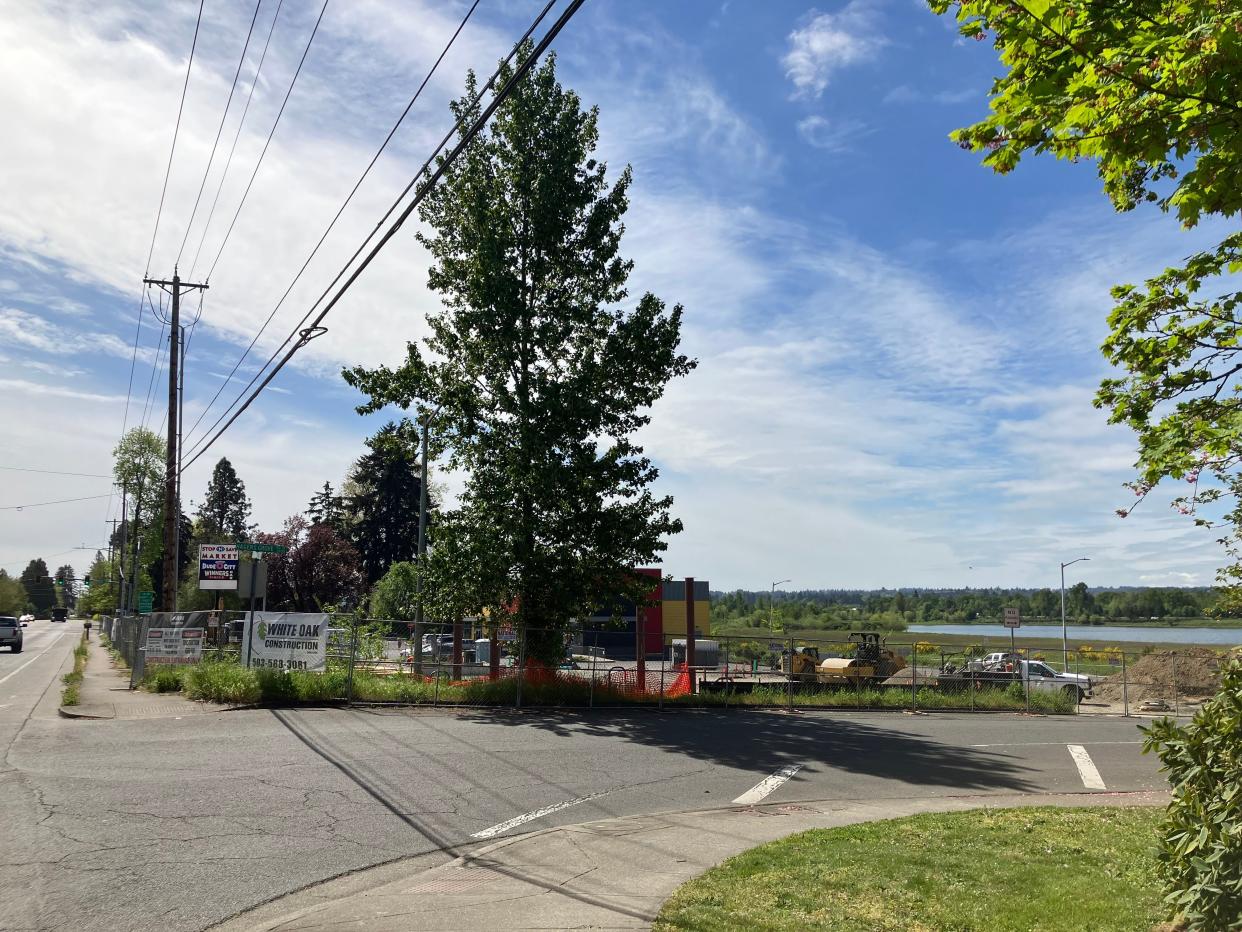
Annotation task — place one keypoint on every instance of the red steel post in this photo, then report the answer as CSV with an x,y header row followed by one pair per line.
x,y
694,682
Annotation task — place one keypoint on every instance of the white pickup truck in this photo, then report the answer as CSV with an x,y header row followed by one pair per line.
x,y
1008,667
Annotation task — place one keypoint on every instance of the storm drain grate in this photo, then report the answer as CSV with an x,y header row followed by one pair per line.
x,y
471,880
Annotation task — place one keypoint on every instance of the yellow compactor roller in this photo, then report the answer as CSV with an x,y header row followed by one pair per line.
x,y
871,663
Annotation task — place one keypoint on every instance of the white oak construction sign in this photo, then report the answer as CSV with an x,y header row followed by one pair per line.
x,y
287,641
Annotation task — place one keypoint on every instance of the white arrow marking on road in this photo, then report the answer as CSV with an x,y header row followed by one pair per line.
x,y
531,816
767,786
1091,778
32,659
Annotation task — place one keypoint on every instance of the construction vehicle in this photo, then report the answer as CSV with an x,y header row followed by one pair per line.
x,y
871,663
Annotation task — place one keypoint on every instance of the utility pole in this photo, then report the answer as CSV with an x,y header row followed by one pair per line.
x,y
122,601
422,552
175,289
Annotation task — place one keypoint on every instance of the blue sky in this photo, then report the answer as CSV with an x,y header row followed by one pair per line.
x,y
898,349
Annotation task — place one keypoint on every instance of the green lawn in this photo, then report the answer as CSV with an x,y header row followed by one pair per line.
x,y
1006,869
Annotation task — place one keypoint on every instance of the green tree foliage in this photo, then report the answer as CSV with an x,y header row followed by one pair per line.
x,y
384,500
67,591
1200,847
224,515
40,590
1147,90
326,507
13,596
395,596
101,595
138,467
540,375
320,569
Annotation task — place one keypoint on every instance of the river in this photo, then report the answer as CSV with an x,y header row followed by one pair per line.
x,y
1096,635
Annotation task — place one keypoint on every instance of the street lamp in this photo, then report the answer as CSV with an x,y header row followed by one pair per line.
x,y
1064,639
772,604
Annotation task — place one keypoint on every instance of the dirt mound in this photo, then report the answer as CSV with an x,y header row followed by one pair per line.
x,y
1191,672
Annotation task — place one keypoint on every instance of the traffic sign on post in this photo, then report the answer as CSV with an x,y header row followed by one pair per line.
x,y
262,548
145,602
1012,618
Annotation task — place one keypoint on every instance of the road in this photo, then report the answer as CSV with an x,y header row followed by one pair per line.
x,y
171,824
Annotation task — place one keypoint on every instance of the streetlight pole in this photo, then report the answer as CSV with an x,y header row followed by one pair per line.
x,y
1064,639
772,604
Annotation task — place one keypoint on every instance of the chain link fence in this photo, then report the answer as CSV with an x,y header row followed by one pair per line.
x,y
379,661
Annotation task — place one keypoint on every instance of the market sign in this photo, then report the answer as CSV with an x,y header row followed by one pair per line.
x,y
217,566
174,645
287,641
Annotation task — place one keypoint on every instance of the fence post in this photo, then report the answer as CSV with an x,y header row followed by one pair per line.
x,y
594,652
914,678
789,677
1125,688
353,654
663,655
521,666
1176,710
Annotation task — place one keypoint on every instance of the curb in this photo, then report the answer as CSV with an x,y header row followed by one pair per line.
x,y
73,712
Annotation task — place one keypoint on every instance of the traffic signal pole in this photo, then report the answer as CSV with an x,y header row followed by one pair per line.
x,y
172,509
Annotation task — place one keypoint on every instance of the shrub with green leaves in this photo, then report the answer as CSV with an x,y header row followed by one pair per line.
x,y
1200,848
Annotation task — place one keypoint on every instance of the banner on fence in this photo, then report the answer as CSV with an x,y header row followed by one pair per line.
x,y
217,566
287,641
174,645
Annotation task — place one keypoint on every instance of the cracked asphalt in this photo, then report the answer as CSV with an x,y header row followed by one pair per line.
x,y
180,823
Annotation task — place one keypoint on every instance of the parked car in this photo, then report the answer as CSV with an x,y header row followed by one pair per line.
x,y
11,633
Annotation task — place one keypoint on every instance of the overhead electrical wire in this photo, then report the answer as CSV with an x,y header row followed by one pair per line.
x,y
466,137
62,501
228,162
340,210
57,472
156,365
275,123
159,213
176,131
219,130
357,252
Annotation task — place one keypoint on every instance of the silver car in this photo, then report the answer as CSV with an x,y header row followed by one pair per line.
x,y
11,633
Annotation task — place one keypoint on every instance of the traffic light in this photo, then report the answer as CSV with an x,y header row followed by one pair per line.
x,y
60,580
86,580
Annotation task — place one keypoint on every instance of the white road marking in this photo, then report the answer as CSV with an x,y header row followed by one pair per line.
x,y
32,659
531,816
767,785
1091,778
1039,744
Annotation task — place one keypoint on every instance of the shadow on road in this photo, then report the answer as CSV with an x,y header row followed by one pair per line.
x,y
764,741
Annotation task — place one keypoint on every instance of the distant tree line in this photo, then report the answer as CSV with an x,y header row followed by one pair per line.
x,y
894,608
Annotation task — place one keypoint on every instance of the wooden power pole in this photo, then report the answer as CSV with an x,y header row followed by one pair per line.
x,y
172,506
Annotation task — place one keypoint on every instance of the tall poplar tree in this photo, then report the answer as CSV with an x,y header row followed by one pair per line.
x,y
383,501
540,366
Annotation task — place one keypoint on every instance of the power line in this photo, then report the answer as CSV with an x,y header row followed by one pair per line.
x,y
254,82
155,362
279,114
57,472
467,137
176,131
219,130
375,158
62,501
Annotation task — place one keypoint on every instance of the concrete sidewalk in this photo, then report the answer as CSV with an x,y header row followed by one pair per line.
x,y
105,693
610,874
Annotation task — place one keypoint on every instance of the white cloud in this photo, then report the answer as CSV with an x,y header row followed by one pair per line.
x,y
905,94
830,136
827,42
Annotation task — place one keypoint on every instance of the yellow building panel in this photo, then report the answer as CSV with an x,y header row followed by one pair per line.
x,y
675,618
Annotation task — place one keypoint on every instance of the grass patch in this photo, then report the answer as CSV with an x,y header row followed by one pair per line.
x,y
164,679
1001,869
70,695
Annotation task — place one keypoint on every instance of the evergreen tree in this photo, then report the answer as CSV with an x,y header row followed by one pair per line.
x,y
68,588
13,597
224,515
540,366
40,589
326,507
383,506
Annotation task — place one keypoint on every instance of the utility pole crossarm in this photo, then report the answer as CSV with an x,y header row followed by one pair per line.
x,y
172,504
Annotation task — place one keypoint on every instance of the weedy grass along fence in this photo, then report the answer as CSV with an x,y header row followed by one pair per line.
x,y
377,662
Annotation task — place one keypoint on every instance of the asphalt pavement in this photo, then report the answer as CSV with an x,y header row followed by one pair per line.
x,y
182,822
